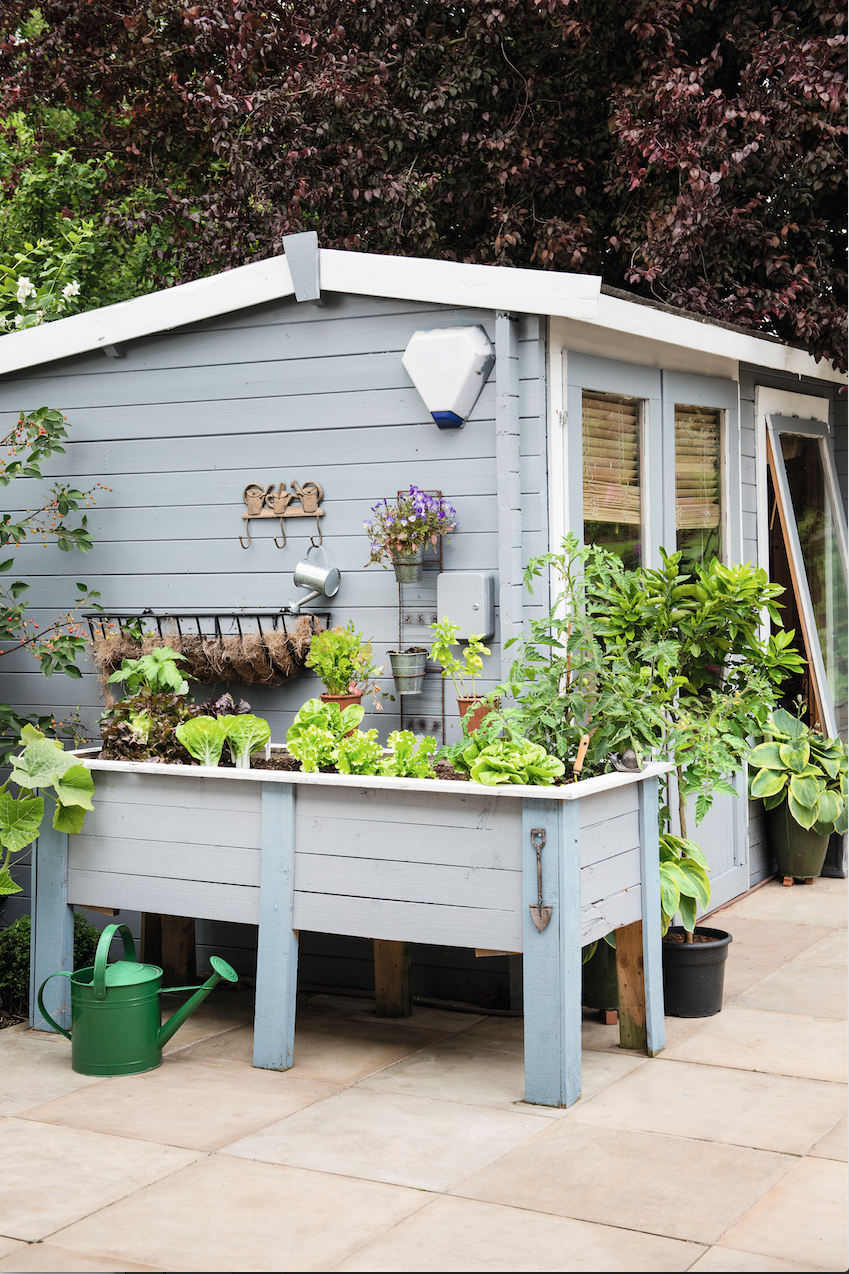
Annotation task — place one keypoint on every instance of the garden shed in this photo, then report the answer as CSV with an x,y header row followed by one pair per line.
x,y
287,375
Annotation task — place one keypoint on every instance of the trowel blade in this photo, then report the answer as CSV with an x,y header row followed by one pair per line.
x,y
540,916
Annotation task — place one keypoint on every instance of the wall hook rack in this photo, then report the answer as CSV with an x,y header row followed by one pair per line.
x,y
267,502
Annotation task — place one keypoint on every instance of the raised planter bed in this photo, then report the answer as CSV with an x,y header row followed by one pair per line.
x,y
400,859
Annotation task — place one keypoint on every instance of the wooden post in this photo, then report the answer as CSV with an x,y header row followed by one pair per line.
x,y
52,932
169,941
552,958
393,979
277,947
632,991
639,958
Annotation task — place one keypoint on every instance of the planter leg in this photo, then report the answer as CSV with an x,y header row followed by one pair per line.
x,y
169,941
788,880
609,1017
52,932
277,947
632,991
809,880
393,980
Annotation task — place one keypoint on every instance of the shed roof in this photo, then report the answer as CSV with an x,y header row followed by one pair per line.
x,y
571,296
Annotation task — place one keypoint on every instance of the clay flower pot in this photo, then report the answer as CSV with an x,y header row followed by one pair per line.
x,y
344,701
475,710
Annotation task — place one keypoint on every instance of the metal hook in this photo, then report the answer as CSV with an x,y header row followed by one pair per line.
x,y
283,533
241,541
320,536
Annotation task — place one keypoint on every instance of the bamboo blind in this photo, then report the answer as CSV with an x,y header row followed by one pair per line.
x,y
697,467
611,459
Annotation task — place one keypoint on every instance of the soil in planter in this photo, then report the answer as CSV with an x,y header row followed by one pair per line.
x,y
679,937
280,762
445,770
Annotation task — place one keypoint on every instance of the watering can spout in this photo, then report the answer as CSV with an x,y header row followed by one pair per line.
x,y
222,970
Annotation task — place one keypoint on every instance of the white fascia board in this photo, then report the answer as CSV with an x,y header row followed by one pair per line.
x,y
673,329
237,289
481,287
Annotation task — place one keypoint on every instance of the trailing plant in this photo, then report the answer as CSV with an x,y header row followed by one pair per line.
x,y
413,521
342,660
245,734
797,765
203,738
463,672
44,765
15,962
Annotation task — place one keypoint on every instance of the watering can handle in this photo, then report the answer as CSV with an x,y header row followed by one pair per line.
x,y
43,1011
322,550
99,979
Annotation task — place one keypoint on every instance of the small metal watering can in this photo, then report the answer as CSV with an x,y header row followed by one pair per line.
x,y
321,579
115,1010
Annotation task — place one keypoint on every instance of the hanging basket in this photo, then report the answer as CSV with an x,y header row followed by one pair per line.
x,y
264,650
408,669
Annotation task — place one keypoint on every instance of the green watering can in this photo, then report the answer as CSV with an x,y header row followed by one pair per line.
x,y
115,1011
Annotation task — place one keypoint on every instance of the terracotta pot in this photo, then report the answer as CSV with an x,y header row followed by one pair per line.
x,y
475,710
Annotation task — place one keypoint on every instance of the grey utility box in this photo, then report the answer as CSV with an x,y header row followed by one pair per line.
x,y
468,599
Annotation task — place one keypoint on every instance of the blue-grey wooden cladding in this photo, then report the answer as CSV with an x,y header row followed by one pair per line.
x,y
184,420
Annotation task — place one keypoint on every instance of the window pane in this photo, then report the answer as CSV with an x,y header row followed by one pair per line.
x,y
698,483
813,515
612,500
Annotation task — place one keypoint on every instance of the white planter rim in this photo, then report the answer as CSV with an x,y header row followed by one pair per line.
x,y
568,792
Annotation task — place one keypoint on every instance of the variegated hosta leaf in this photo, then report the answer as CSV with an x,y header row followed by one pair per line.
x,y
803,815
795,755
805,791
828,807
767,782
766,756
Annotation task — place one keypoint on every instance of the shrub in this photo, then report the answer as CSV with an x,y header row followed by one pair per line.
x,y
14,963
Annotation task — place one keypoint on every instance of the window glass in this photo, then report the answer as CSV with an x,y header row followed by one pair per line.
x,y
612,494
698,484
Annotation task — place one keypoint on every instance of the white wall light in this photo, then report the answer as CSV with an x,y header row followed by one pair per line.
x,y
449,367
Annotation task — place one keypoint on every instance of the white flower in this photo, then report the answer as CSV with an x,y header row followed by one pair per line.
x,y
25,288
19,320
71,289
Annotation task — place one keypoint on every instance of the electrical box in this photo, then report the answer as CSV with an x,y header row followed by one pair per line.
x,y
468,599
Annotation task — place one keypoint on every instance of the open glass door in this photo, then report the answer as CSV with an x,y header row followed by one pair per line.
x,y
813,528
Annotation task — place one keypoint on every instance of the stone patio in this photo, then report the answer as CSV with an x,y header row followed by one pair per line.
x,y
405,1145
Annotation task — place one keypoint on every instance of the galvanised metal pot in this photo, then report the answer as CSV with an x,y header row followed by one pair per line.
x,y
116,1013
409,567
408,669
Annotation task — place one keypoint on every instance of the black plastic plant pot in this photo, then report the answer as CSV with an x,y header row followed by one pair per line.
x,y
599,987
694,973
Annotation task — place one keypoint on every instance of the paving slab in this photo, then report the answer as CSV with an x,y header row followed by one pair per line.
x,y
198,1107
768,1112
411,1141
236,1215
220,1011
36,1067
834,1144
53,1176
463,1234
48,1259
765,940
818,904
422,1016
741,975
336,1050
830,953
763,1040
801,988
726,1260
8,1246
802,1218
672,1186
479,1071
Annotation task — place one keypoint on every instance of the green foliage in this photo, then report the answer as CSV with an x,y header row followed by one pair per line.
x,y
463,672
684,884
203,738
15,960
155,671
42,764
512,760
358,753
342,659
313,736
409,756
245,734
797,765
143,727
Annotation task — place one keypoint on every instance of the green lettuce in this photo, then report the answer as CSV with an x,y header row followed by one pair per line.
x,y
515,760
203,738
245,734
409,756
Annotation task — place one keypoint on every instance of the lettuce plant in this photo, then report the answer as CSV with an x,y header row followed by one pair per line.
x,y
409,757
203,738
359,753
245,734
325,715
512,760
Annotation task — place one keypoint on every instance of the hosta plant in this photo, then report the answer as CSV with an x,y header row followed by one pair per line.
x,y
684,884
797,765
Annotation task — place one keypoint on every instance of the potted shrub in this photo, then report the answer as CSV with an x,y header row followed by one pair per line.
x,y
801,778
400,532
408,669
342,658
463,672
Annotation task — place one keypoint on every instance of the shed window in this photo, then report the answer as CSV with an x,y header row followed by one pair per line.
x,y
698,483
612,492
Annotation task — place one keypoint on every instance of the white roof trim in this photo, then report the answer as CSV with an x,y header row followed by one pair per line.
x,y
570,296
